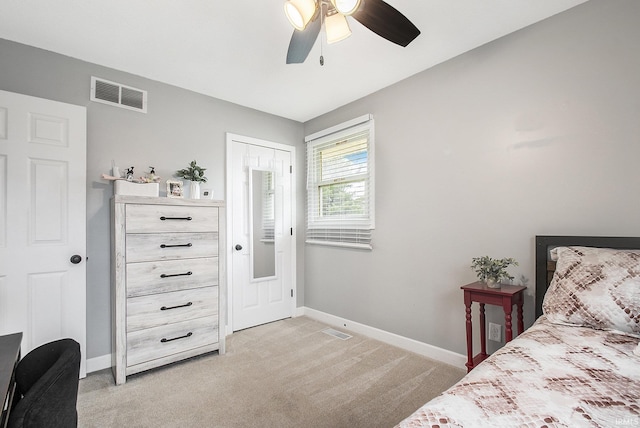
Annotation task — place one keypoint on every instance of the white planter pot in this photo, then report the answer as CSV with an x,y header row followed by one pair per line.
x,y
194,190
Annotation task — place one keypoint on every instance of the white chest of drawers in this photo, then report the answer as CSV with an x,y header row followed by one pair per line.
x,y
168,283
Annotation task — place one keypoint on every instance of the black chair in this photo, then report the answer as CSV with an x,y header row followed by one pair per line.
x,y
47,387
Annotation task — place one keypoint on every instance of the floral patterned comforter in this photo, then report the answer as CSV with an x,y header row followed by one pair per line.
x,y
549,376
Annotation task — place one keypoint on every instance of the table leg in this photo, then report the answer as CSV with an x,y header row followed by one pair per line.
x,y
483,331
520,318
469,337
507,319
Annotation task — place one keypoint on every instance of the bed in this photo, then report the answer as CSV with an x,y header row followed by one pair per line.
x,y
578,365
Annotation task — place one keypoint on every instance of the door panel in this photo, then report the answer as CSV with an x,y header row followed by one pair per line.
x,y
46,305
264,298
49,201
42,220
49,130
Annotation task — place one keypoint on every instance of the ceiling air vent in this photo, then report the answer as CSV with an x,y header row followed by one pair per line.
x,y
115,94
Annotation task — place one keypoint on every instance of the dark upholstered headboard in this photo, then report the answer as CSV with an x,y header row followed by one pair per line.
x,y
545,266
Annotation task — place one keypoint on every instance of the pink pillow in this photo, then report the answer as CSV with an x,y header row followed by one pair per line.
x,y
595,287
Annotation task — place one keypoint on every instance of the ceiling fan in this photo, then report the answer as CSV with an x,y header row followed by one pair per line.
x,y
308,16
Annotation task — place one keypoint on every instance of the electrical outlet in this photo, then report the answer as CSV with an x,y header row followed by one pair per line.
x,y
495,332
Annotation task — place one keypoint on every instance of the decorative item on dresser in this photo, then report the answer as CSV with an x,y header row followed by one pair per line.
x,y
174,189
195,174
168,279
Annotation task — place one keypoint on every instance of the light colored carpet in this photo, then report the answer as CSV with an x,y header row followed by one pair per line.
x,y
284,374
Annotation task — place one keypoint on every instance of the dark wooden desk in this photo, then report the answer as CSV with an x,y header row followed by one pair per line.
x,y
9,358
505,296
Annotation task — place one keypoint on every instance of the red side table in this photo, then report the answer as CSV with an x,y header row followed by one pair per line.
x,y
505,296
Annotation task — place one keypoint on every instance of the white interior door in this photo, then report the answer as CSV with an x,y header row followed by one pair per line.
x,y
42,220
262,243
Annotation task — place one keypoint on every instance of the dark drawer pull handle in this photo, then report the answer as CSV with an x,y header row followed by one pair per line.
x,y
166,308
163,218
165,340
164,275
176,245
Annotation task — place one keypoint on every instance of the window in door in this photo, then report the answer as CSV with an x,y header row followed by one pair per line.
x,y
268,207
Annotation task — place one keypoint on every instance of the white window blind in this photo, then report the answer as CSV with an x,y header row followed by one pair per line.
x,y
340,185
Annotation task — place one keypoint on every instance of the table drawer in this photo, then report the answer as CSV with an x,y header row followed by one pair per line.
x,y
157,342
170,275
168,218
145,247
166,308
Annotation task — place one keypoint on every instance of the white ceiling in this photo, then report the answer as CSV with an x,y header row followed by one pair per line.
x,y
235,50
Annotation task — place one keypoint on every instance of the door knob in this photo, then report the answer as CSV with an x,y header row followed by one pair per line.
x,y
75,259
238,247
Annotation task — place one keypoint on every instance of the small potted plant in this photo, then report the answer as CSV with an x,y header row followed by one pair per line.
x,y
492,271
195,175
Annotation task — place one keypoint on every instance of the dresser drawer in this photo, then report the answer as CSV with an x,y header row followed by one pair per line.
x,y
144,247
170,275
158,342
166,308
168,218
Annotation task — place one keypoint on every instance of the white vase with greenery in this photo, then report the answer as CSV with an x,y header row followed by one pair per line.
x,y
195,175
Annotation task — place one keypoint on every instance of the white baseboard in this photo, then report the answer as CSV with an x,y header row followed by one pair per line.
x,y
98,363
421,348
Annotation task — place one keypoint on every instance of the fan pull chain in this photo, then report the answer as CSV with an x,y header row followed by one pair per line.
x,y
321,37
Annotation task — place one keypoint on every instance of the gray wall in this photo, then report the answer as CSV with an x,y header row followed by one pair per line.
x,y
536,133
180,126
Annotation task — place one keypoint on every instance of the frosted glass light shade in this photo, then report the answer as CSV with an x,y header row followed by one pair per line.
x,y
299,12
337,28
346,7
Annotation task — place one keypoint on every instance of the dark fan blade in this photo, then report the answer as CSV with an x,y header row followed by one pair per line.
x,y
384,20
302,42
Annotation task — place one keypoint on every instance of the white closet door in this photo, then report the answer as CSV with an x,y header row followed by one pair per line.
x,y
259,294
42,220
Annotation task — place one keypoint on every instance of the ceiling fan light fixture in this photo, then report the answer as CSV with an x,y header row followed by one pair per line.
x,y
299,12
337,28
346,7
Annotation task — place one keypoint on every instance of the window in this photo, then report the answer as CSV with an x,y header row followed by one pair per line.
x,y
340,185
268,206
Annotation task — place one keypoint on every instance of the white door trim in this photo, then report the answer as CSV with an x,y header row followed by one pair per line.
x,y
229,247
